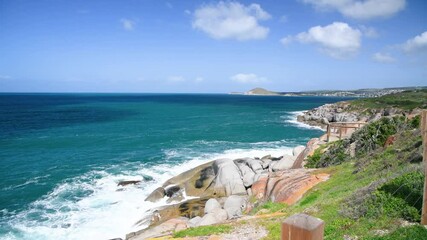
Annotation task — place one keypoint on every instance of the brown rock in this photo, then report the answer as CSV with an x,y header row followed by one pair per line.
x,y
259,188
124,183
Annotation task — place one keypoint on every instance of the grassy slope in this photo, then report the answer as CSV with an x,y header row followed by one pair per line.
x,y
329,199
383,166
407,100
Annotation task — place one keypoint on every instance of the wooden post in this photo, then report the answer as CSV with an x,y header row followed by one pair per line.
x,y
424,135
302,227
328,132
341,131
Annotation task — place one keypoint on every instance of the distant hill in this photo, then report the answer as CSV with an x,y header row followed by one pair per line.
x,y
363,93
260,91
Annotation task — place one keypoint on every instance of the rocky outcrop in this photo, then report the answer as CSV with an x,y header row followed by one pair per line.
x,y
234,206
222,189
346,112
285,186
337,112
221,178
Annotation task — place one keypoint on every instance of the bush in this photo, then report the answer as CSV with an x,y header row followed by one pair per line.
x,y
375,134
416,232
408,187
336,154
314,159
400,197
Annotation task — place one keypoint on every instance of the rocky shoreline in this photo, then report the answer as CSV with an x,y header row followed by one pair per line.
x,y
346,112
226,189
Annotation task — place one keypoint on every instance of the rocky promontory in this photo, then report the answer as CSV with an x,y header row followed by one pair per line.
x,y
223,190
348,111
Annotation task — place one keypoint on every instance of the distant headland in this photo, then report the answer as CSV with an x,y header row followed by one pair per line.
x,y
366,92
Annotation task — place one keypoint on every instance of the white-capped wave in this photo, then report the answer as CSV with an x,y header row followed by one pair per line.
x,y
93,206
291,118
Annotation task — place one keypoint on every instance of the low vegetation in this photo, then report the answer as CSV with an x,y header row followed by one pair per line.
x,y
406,100
373,194
203,231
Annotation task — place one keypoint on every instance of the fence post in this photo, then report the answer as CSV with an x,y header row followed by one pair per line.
x,y
302,227
424,135
328,132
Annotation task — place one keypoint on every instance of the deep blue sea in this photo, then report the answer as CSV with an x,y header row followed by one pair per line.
x,y
62,155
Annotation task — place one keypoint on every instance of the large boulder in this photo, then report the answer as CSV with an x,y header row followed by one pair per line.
x,y
286,163
228,180
212,205
297,150
259,188
195,182
195,221
157,194
213,218
255,165
247,173
234,205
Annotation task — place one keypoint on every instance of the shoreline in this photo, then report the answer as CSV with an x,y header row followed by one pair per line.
x,y
304,179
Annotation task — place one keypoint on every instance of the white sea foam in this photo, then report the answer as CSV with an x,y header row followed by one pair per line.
x,y
292,119
92,206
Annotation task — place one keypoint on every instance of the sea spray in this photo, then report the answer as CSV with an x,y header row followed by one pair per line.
x,y
92,206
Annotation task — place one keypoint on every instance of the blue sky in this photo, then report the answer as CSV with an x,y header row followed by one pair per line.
x,y
211,46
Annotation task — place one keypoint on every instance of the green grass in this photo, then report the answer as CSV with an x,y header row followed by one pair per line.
x,y
362,196
389,168
407,100
416,232
270,207
203,231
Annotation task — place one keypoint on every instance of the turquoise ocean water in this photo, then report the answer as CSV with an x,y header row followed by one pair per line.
x,y
62,155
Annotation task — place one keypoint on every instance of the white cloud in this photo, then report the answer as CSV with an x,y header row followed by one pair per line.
x,y
416,44
287,40
383,58
338,39
176,79
128,24
248,78
231,20
360,9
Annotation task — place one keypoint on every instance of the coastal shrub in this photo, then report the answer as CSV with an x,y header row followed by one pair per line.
x,y
407,148
375,134
314,159
407,100
416,232
396,198
336,154
415,122
408,187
